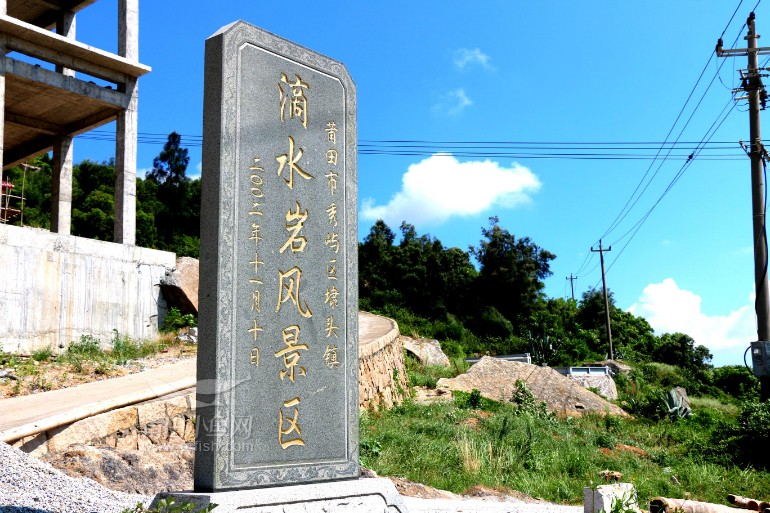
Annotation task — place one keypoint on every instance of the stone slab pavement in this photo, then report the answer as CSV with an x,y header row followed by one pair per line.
x,y
31,414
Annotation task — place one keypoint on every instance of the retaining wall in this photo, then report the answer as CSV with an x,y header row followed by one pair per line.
x,y
382,380
55,288
169,419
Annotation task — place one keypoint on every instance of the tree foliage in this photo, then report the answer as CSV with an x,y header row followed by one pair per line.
x,y
167,206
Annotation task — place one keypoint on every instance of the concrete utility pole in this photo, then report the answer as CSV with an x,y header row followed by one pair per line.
x,y
606,299
751,83
572,284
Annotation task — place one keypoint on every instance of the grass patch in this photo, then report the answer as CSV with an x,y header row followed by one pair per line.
x,y
467,442
419,374
84,360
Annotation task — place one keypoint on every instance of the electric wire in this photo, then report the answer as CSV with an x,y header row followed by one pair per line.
x,y
635,229
626,208
637,226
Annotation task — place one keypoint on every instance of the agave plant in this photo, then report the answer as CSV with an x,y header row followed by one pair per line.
x,y
675,406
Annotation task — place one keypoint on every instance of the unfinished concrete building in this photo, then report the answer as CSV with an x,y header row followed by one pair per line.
x,y
55,287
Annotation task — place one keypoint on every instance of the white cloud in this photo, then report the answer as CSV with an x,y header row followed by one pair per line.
x,y
670,309
197,173
466,56
441,187
453,103
142,173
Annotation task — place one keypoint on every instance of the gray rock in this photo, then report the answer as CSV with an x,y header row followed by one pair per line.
x,y
496,379
427,350
180,286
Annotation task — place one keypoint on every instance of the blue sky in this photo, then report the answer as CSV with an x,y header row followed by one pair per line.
x,y
593,72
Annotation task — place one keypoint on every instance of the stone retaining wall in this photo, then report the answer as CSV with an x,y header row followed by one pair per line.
x,y
166,420
382,380
169,420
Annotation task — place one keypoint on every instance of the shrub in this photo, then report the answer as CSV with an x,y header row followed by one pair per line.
x,y
175,321
86,346
42,355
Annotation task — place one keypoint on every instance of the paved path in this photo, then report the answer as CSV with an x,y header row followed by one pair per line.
x,y
31,414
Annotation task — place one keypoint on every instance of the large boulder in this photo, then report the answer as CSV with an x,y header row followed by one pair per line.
x,y
427,350
147,471
496,379
180,286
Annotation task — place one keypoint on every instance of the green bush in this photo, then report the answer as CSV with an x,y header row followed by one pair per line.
x,y
175,321
42,355
86,346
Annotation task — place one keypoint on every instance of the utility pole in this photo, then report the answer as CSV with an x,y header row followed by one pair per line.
x,y
572,284
751,84
601,252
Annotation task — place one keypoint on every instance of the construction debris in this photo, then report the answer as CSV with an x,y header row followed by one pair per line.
x,y
746,503
664,505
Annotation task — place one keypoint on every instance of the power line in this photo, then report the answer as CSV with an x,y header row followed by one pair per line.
x,y
626,208
704,141
517,150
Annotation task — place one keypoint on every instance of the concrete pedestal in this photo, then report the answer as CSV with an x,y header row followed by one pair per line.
x,y
602,498
356,495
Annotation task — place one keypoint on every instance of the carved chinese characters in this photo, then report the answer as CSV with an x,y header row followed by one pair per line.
x,y
278,265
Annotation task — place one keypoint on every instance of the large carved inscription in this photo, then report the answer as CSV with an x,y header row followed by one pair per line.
x,y
289,362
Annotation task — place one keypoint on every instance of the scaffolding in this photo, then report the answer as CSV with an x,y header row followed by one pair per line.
x,y
12,205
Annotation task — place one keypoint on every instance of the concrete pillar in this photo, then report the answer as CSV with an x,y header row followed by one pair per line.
x,y
65,26
126,128
3,11
61,201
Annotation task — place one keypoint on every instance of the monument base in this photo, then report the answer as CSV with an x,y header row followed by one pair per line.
x,y
358,495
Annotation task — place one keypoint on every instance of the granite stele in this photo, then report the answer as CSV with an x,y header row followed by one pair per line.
x,y
277,399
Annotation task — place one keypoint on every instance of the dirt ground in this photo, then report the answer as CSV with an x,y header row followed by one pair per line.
x,y
23,375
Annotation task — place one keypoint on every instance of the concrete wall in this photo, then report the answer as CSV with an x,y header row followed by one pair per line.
x,y
55,288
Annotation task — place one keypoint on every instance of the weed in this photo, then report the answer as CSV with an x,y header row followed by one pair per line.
x,y
169,505
42,355
86,346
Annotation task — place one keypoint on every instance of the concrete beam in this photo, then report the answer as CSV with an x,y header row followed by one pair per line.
x,y
125,170
49,18
73,85
42,44
126,128
45,142
35,124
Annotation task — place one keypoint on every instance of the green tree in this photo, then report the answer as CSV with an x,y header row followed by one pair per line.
x,y
169,202
93,199
375,264
170,165
679,349
511,273
736,381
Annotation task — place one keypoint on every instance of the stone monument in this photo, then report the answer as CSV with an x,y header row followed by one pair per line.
x,y
277,397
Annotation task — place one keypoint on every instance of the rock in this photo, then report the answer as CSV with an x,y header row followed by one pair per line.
x,y
496,380
425,395
146,471
615,366
412,489
427,350
180,286
91,428
604,384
